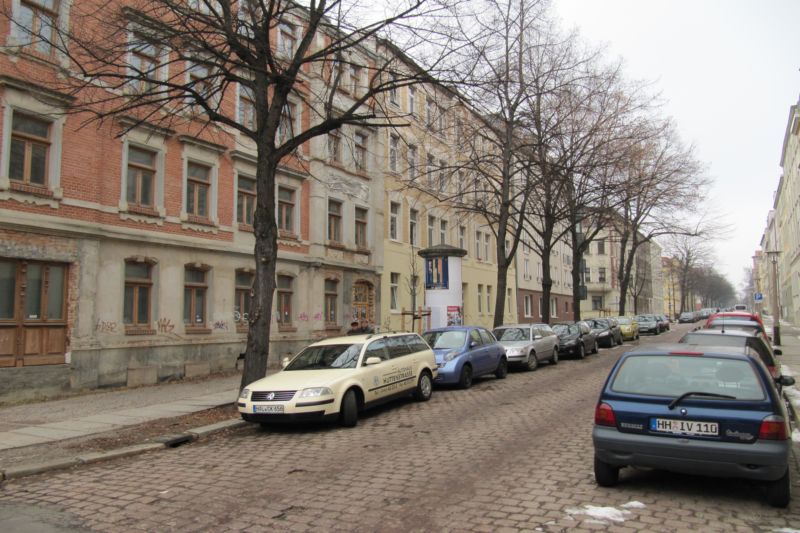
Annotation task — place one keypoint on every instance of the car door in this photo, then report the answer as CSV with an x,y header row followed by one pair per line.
x,y
403,374
540,344
549,340
375,378
477,353
492,350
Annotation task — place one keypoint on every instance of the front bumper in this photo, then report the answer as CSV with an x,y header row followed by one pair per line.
x,y
764,460
448,373
296,409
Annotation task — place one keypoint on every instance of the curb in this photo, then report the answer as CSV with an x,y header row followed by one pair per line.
x,y
161,443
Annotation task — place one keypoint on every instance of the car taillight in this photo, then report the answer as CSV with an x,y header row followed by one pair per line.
x,y
604,415
773,371
773,427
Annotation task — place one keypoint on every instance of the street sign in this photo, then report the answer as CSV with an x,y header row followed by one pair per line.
x,y
758,297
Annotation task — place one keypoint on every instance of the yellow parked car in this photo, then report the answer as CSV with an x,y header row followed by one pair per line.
x,y
629,327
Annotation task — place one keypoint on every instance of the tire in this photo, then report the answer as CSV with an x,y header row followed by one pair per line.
x,y
779,492
581,351
595,350
605,474
502,369
532,363
348,411
465,379
424,387
554,359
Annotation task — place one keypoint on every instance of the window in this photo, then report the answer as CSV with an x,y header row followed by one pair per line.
x,y
488,298
526,268
198,185
588,275
508,299
44,292
355,80
412,101
394,287
141,177
284,288
286,40
360,152
334,147
136,302
144,63
443,232
442,185
431,171
553,307
413,223
480,298
331,296
334,220
430,111
486,241
601,247
247,107
441,119
431,226
540,307
464,293
394,145
30,146
361,227
245,199
393,88
199,79
286,125
286,209
478,240
601,274
394,215
195,287
38,20
528,300
597,303
412,163
462,237
241,298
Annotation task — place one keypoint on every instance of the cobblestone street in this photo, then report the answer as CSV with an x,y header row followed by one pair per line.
x,y
512,455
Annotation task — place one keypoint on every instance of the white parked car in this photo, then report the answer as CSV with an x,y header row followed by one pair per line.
x,y
528,344
338,377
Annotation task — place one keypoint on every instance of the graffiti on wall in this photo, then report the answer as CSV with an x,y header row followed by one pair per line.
x,y
165,325
105,326
221,325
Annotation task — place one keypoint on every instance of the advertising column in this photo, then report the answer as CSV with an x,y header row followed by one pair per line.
x,y
443,284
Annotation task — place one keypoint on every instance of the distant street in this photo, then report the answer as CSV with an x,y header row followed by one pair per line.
x,y
506,455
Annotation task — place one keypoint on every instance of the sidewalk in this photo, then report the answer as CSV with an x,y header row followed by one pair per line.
x,y
790,364
98,412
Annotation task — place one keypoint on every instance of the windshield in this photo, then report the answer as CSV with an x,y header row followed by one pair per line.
x,y
445,339
624,320
330,356
597,324
713,340
645,318
512,334
674,375
566,329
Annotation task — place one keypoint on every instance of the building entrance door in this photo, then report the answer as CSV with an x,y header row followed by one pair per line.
x,y
363,302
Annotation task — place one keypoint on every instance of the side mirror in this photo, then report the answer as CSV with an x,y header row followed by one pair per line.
x,y
373,361
285,362
777,351
786,381
537,337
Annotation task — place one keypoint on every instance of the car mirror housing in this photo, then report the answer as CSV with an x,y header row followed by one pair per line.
x,y
285,362
473,344
537,337
786,381
777,351
373,361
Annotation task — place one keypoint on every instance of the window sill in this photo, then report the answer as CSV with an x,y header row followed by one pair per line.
x,y
287,235
287,329
331,327
336,244
202,221
139,331
363,250
143,210
247,228
242,329
191,330
35,190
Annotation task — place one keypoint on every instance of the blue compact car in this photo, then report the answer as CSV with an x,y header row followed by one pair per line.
x,y
465,352
694,410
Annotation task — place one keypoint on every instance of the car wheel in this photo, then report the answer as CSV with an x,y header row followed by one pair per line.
x,y
554,359
779,492
532,363
465,379
605,474
424,387
581,351
595,350
502,369
348,412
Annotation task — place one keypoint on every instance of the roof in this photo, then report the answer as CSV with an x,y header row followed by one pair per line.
x,y
714,332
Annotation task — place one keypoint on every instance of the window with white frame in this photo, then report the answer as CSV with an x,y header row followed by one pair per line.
x,y
442,231
355,80
36,23
334,147
413,225
412,163
394,290
601,274
526,268
361,227
286,207
287,42
198,190
431,171
334,221
442,185
486,242
588,275
247,107
360,151
441,120
286,127
245,199
431,226
141,175
394,220
412,101
601,247
553,307
488,298
462,238
144,62
478,245
597,303
30,150
480,298
393,88
430,112
528,303
394,146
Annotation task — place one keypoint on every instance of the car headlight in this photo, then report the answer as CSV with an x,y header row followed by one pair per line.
x,y
449,356
604,334
315,391
245,394
570,342
515,351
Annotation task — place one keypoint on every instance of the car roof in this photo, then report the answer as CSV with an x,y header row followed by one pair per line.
x,y
721,322
715,332
454,328
695,350
359,339
536,324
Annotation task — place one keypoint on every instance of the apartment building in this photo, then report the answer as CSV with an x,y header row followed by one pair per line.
x,y
529,283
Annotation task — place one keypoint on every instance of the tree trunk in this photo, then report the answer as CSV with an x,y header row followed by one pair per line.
x,y
577,258
266,251
547,285
500,298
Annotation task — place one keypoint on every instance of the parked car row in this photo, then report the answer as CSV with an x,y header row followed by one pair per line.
x,y
710,405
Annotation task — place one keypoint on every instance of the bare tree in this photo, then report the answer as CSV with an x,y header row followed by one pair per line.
x,y
689,252
177,63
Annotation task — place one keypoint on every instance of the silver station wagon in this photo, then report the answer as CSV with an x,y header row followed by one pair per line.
x,y
528,344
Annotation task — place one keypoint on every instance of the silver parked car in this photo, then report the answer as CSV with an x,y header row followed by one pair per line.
x,y
528,344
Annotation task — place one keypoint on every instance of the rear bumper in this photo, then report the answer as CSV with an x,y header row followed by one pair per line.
x,y
763,460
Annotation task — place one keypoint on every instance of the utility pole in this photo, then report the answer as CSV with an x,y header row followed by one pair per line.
x,y
776,308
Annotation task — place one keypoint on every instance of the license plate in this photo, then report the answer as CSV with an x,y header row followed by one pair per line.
x,y
268,408
684,427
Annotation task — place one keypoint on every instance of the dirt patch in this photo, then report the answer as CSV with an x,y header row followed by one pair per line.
x,y
139,434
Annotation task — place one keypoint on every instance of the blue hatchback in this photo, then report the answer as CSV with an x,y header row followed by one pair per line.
x,y
703,411
465,352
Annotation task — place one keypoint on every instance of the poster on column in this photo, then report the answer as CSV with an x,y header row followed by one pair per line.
x,y
454,315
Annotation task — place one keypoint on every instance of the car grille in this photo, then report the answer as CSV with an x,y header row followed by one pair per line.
x,y
278,396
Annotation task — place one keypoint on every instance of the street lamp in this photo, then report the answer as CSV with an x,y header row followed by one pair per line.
x,y
776,314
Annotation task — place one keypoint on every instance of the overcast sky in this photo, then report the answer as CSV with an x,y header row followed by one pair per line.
x,y
728,71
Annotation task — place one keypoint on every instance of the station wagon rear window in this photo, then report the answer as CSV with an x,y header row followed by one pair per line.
x,y
674,375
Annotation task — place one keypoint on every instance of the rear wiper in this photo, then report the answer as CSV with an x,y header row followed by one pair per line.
x,y
677,400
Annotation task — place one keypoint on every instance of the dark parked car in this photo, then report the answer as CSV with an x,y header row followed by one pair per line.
x,y
465,352
755,344
616,330
648,324
602,332
687,410
575,338
663,322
